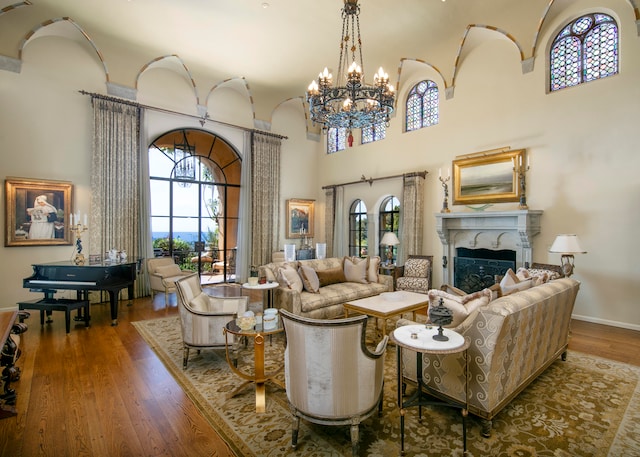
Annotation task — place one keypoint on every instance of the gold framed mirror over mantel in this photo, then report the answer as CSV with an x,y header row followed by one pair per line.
x,y
487,177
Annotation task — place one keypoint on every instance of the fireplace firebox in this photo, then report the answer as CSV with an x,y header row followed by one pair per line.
x,y
476,269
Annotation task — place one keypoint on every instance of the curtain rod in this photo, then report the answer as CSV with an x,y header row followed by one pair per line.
x,y
202,119
363,179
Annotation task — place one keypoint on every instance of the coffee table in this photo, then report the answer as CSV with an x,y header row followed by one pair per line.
x,y
387,305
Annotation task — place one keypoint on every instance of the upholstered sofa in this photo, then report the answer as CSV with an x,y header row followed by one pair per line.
x,y
513,339
339,280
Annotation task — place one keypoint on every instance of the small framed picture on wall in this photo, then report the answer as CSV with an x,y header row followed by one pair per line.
x,y
299,218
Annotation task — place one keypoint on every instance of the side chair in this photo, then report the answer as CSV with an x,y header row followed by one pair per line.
x,y
416,274
203,317
163,273
332,378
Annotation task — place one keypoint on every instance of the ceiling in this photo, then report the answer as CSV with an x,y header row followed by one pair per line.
x,y
278,46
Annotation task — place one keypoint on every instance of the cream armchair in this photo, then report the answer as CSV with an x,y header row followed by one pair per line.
x,y
332,378
163,274
416,275
203,317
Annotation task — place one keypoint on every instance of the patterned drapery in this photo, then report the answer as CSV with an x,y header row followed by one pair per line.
x,y
329,218
265,191
115,182
412,222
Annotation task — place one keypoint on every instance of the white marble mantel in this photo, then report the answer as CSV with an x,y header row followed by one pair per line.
x,y
495,230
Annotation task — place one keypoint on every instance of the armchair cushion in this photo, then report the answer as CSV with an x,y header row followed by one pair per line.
x,y
355,269
169,270
200,302
416,268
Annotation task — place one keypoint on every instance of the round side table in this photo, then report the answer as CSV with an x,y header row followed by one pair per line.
x,y
267,288
419,338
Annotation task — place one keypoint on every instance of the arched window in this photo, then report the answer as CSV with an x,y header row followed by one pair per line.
x,y
422,105
358,229
389,222
585,49
336,140
374,133
195,197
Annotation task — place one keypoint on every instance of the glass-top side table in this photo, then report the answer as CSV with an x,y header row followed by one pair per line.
x,y
419,338
259,377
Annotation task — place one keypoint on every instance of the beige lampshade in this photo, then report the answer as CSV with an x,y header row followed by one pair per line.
x,y
389,239
567,244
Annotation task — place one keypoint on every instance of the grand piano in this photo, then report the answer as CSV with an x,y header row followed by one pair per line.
x,y
111,277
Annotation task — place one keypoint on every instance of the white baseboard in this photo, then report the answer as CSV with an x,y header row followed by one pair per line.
x,y
607,322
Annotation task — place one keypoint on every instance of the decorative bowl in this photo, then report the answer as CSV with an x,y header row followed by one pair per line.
x,y
246,322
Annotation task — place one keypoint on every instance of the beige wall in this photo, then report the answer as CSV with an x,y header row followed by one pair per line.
x,y
582,144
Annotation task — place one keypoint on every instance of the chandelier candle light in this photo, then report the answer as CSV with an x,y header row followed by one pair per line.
x,y
445,186
352,103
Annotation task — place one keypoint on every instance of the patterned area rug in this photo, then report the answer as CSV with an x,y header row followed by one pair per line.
x,y
586,406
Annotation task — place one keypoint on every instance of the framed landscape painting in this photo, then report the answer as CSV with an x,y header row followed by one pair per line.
x,y
487,178
37,212
299,218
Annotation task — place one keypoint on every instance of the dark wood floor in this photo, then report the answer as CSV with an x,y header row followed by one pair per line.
x,y
103,392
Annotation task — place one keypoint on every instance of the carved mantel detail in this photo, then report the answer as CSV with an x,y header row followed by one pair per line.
x,y
495,230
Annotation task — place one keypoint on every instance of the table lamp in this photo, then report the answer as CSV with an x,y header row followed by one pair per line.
x,y
389,239
567,245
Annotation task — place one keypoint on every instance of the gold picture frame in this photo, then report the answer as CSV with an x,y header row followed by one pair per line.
x,y
37,212
300,218
487,178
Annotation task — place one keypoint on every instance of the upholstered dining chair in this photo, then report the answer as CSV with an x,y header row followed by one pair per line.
x,y
163,273
332,378
416,275
203,317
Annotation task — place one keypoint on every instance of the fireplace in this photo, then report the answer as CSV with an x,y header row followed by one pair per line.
x,y
481,240
476,269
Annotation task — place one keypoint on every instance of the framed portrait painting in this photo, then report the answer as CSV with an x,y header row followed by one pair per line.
x,y
490,178
299,218
37,212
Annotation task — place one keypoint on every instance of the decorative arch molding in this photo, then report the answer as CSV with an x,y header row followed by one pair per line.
x,y
420,61
299,101
235,83
465,44
14,6
168,62
41,27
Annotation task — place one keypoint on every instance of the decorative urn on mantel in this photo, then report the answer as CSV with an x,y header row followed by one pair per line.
x,y
495,230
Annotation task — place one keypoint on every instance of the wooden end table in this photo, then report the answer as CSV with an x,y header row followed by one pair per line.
x,y
419,338
259,377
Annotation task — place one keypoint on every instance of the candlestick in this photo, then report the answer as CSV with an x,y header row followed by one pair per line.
x,y
78,257
445,202
522,170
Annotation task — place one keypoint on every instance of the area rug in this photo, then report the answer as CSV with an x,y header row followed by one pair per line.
x,y
586,406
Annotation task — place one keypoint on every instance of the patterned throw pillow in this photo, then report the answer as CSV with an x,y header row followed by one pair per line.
x,y
289,276
511,283
460,306
309,278
355,269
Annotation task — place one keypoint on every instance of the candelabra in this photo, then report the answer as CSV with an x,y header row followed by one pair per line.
x,y
445,186
522,180
78,256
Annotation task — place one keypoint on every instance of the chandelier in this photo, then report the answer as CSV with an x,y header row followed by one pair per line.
x,y
184,158
351,103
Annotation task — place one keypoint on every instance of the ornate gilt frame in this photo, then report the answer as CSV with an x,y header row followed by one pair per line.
x,y
300,215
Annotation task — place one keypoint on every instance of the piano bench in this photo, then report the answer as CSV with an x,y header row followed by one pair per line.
x,y
61,304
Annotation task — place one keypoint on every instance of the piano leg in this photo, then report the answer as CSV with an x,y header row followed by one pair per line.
x,y
113,302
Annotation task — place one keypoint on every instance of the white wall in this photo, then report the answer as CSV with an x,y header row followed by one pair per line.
x,y
581,141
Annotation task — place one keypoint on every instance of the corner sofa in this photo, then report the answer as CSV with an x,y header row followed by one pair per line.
x,y
336,284
513,338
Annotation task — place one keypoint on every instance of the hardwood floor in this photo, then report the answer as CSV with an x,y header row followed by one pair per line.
x,y
103,392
